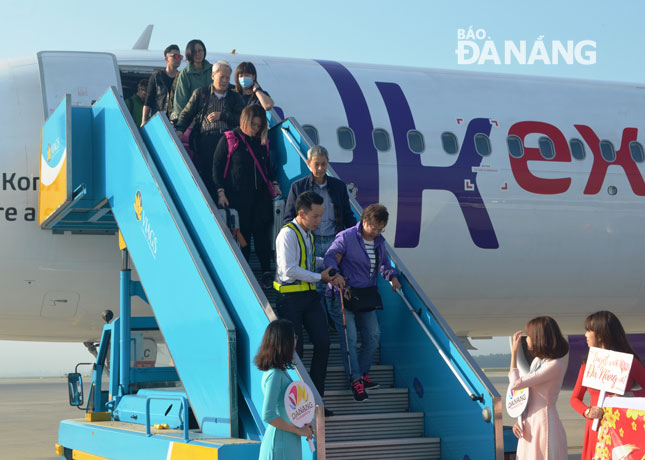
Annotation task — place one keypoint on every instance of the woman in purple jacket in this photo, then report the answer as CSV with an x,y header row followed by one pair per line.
x,y
359,254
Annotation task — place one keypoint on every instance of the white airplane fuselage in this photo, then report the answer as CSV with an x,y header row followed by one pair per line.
x,y
493,240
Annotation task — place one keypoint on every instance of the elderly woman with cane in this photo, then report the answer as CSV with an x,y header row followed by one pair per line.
x,y
359,254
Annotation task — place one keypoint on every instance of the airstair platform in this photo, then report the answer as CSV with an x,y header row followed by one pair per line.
x,y
104,174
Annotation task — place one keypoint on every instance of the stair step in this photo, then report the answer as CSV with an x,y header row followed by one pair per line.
x,y
374,426
406,448
380,373
335,355
383,400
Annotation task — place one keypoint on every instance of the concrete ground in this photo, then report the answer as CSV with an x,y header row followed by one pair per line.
x,y
30,410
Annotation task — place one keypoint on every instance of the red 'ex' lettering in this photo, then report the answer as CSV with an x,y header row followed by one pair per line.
x,y
520,168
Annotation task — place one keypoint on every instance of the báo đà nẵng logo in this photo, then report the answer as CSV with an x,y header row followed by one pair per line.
x,y
146,226
475,46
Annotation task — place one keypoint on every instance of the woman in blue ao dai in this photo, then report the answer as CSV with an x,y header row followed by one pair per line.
x,y
282,439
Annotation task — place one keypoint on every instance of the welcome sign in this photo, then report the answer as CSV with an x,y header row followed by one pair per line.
x,y
516,401
299,405
607,370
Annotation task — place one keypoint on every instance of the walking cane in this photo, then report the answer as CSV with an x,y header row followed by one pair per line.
x,y
342,309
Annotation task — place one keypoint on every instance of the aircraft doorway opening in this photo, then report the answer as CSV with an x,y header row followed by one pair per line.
x,y
131,76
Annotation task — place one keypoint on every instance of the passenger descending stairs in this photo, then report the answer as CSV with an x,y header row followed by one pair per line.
x,y
380,427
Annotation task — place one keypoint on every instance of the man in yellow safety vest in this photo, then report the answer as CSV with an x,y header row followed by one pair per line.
x,y
296,278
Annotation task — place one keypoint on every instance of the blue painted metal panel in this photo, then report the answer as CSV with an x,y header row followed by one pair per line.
x,y
244,298
191,315
449,411
84,181
108,442
292,167
233,277
510,441
132,408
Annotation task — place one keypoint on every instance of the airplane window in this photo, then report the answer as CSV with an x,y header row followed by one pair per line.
x,y
607,151
547,149
346,138
482,144
577,149
515,146
636,149
312,132
450,143
415,141
381,140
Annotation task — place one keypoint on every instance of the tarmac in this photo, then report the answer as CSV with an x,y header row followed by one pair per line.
x,y
30,410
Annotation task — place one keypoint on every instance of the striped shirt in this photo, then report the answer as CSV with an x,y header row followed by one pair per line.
x,y
371,253
215,104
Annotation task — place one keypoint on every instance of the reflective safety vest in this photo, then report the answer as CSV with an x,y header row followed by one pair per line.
x,y
299,286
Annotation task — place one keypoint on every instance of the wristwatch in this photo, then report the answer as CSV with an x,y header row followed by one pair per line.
x,y
586,413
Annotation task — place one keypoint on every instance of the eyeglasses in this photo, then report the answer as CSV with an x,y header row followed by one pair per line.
x,y
175,56
373,229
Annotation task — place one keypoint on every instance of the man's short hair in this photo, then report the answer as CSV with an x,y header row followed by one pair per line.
x,y
375,213
170,48
306,200
143,83
219,65
317,151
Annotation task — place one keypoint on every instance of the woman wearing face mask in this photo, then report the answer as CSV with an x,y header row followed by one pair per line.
x,y
247,85
540,431
602,330
245,179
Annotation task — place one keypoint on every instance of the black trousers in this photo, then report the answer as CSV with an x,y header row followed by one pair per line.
x,y
256,219
206,143
304,309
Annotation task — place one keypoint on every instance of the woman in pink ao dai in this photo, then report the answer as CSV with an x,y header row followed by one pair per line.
x,y
541,434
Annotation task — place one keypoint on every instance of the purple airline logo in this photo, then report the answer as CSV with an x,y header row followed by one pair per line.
x,y
413,177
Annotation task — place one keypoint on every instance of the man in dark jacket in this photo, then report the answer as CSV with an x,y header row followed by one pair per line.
x,y
337,214
161,86
340,214
215,110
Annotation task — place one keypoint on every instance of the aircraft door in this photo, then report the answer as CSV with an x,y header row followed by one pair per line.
x,y
86,76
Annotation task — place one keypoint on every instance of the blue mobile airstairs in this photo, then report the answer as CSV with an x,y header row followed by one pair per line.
x,y
103,174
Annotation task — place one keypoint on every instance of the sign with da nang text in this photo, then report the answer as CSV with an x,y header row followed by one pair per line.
x,y
607,370
516,401
299,403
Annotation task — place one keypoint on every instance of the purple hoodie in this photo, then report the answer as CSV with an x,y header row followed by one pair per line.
x,y
355,264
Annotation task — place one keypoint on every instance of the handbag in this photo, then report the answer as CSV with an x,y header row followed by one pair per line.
x,y
362,300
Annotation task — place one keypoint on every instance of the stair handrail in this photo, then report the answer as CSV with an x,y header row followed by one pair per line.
x,y
425,329
413,285
299,367
183,408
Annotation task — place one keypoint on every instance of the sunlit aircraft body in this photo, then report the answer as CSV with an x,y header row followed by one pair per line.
x,y
493,206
